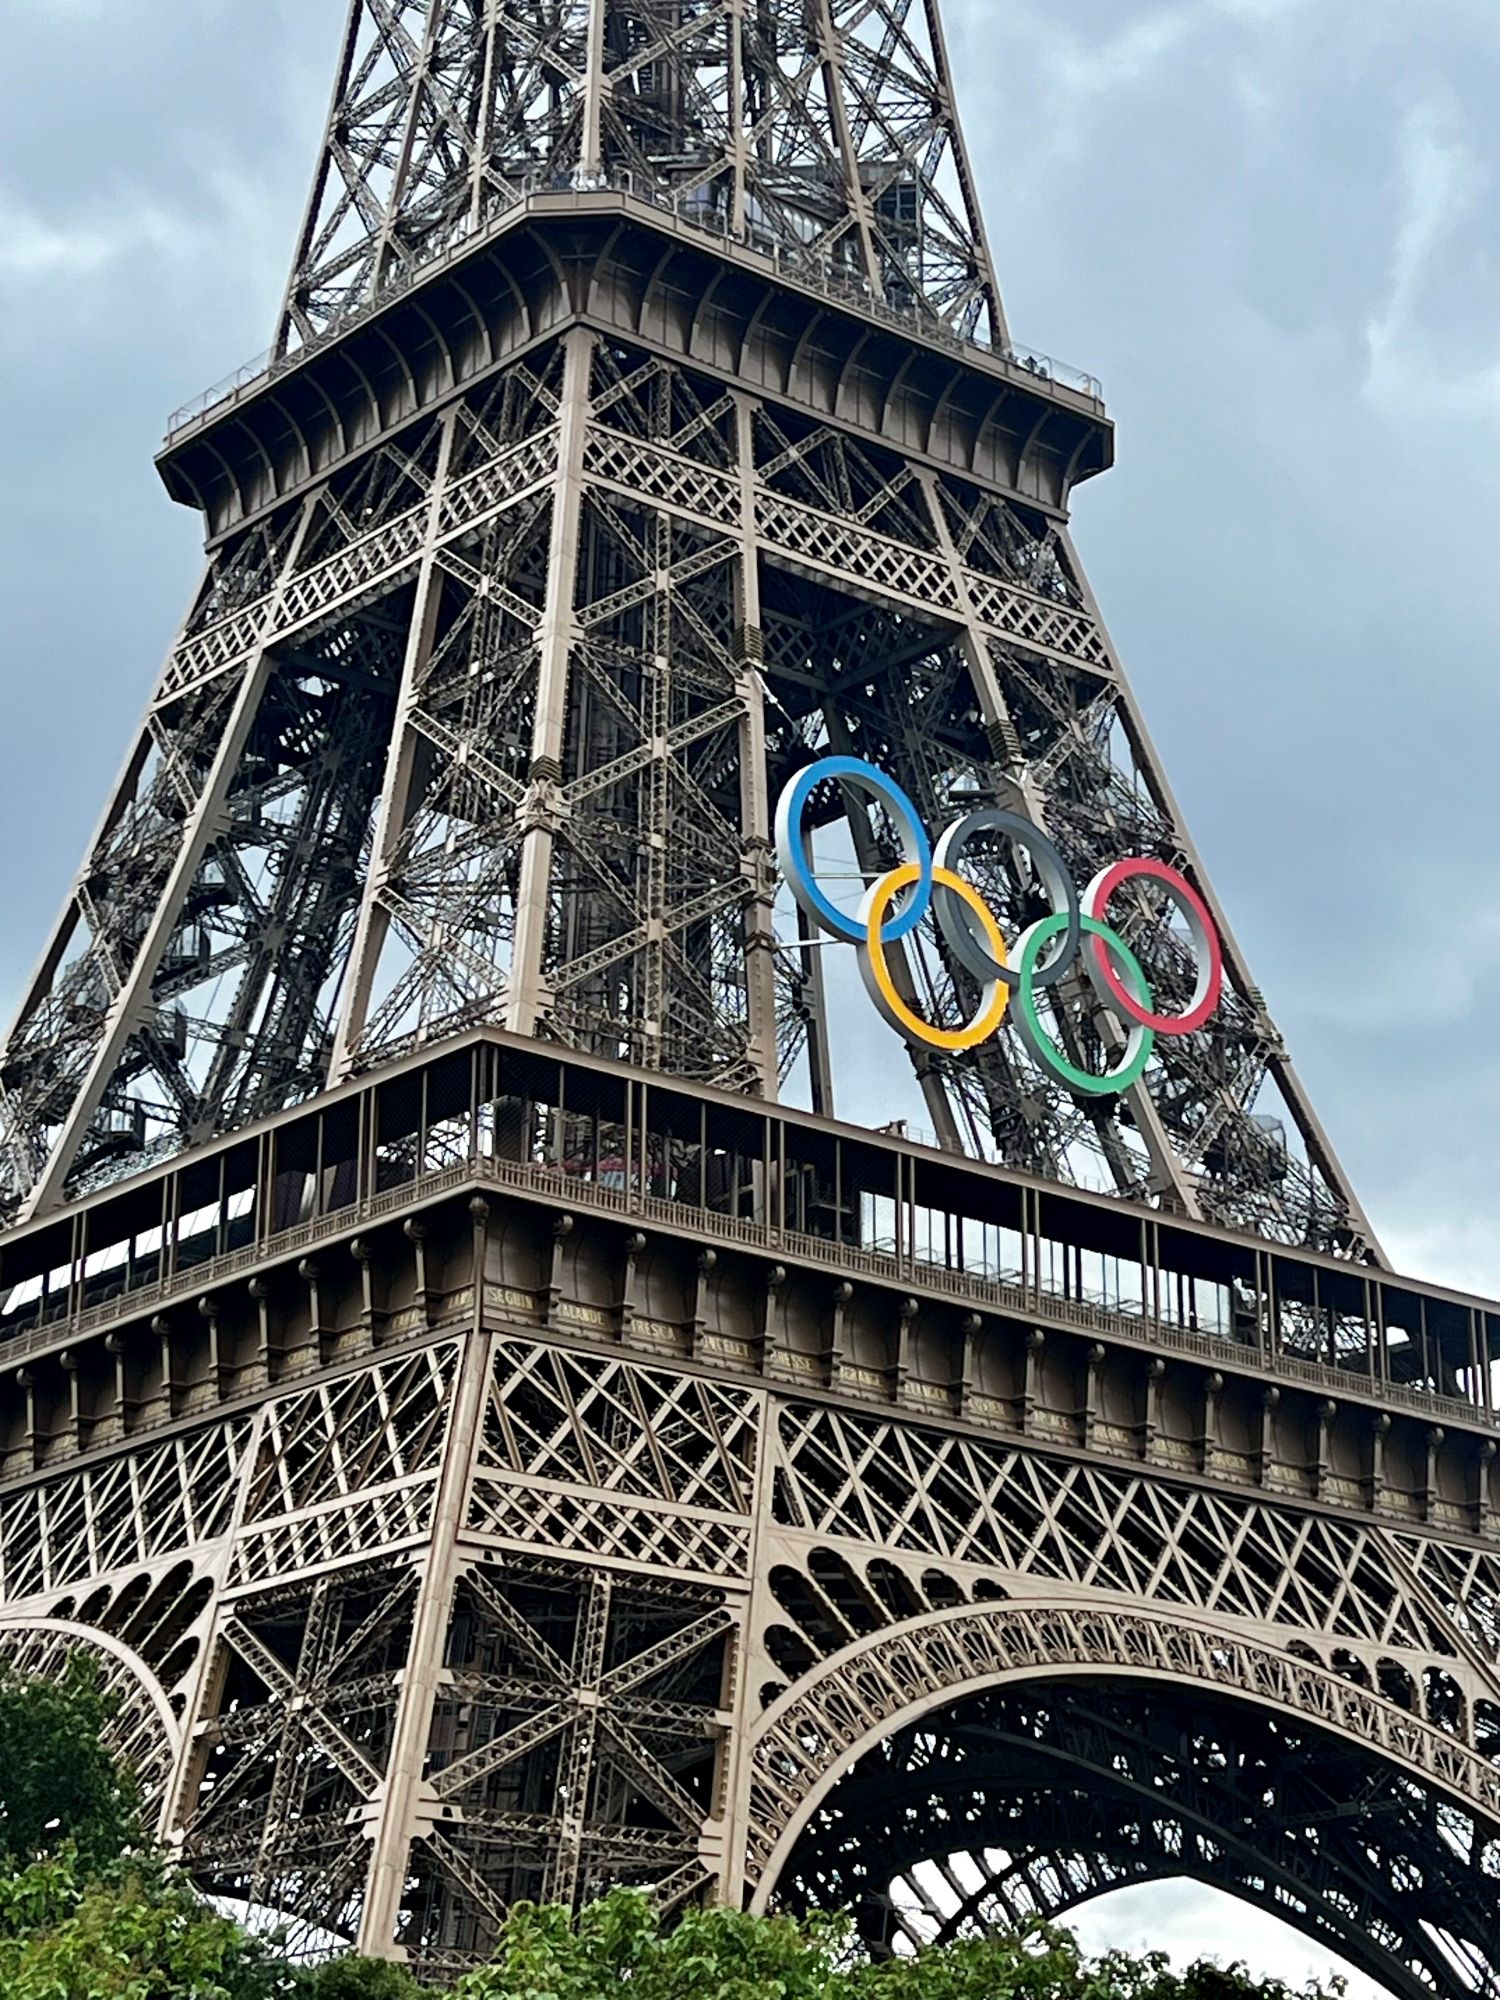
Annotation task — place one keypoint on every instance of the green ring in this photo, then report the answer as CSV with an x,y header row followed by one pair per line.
x,y
1028,1021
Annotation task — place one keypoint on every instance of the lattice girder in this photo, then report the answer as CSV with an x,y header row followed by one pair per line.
x,y
504,729
532,1465
824,137
1047,1798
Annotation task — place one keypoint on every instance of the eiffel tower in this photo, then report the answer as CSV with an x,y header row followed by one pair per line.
x,y
495,1439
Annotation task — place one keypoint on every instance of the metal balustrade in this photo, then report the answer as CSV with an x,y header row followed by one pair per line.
x,y
474,1163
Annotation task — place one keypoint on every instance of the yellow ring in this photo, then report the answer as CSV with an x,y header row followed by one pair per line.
x,y
872,950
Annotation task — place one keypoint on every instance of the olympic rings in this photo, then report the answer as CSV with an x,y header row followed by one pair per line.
x,y
927,880
1142,1039
958,931
1210,959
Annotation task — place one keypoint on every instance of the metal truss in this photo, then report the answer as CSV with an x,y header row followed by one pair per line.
x,y
532,1465
819,134
144,1730
479,1540
496,668
504,1614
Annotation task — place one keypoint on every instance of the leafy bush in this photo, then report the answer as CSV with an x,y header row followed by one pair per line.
x,y
138,1932
726,1955
360,1979
59,1786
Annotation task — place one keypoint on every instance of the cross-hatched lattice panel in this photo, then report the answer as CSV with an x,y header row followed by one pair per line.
x,y
297,1743
538,1516
125,1511
933,1493
347,1467
575,1744
599,1455
601,1421
338,1440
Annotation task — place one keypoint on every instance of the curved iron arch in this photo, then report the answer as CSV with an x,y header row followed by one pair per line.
x,y
1395,1876
1052,1793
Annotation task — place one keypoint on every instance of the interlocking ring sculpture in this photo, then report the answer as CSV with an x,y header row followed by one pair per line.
x,y
924,881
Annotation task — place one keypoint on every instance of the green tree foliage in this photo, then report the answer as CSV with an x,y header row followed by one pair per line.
x,y
360,1979
137,1932
725,1955
59,1786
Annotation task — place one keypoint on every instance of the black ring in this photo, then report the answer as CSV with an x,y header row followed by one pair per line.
x,y
956,922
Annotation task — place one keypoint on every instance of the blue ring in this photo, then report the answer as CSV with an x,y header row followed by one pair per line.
x,y
792,848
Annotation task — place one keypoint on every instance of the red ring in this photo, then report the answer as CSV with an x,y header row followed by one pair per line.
x,y
1104,887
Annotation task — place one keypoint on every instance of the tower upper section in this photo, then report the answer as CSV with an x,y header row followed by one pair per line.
x,y
821,133
643,430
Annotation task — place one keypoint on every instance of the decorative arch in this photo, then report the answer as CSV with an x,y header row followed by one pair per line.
x,y
1056,1751
809,1737
145,1732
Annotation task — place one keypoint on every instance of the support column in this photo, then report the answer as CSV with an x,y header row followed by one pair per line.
x,y
748,1666
400,1809
557,635
838,111
755,797
1005,743
133,996
815,999
591,145
400,790
181,1793
929,1080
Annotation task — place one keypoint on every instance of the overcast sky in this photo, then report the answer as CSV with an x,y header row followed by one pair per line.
x,y
1270,226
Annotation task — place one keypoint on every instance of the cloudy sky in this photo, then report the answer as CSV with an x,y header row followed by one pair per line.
x,y
1270,226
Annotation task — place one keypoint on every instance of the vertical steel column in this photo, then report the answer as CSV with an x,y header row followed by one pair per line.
x,y
973,213
417,85
134,991
480,159
819,1051
591,144
557,635
929,1081
831,49
402,1806
755,799
398,790
739,115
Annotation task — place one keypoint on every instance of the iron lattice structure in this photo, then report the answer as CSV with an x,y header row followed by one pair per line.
x,y
516,1473
493,1447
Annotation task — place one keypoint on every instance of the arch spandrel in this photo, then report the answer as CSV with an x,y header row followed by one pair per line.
x,y
1046,1796
1413,1810
811,1733
1047,1525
